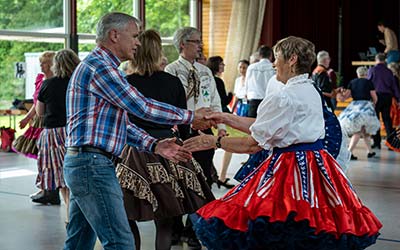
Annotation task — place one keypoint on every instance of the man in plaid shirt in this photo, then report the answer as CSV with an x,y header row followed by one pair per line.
x,y
98,102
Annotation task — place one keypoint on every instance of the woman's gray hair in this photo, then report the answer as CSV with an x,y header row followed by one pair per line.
x,y
182,35
321,56
304,49
113,20
64,63
362,71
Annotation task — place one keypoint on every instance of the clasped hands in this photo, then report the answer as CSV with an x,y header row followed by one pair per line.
x,y
203,118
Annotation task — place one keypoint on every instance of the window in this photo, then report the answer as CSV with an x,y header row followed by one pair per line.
x,y
89,12
33,26
12,52
34,15
167,16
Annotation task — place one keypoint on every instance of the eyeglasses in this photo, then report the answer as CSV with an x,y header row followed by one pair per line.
x,y
195,41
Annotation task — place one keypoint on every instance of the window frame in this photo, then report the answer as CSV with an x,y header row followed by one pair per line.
x,y
70,36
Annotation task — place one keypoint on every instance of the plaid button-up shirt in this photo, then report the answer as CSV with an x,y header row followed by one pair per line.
x,y
98,101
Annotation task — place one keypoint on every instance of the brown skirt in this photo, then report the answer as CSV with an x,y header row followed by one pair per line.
x,y
156,188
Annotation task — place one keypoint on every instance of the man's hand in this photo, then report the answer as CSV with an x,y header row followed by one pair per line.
x,y
168,149
199,121
200,142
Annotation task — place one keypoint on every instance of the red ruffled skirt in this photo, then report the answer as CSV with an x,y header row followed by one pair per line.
x,y
293,200
26,143
395,113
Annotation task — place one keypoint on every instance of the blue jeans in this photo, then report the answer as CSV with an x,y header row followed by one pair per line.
x,y
392,56
96,204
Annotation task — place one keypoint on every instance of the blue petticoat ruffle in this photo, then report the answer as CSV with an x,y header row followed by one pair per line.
x,y
261,234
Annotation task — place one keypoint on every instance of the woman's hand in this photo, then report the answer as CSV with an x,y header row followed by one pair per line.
x,y
24,122
217,117
200,142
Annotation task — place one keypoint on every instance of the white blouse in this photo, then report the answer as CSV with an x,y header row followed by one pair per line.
x,y
240,88
290,115
273,86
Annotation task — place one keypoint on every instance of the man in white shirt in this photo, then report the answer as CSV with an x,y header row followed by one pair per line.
x,y
201,91
199,84
257,77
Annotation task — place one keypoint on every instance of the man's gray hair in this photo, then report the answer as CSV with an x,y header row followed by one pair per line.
x,y
182,35
321,56
380,57
362,71
113,20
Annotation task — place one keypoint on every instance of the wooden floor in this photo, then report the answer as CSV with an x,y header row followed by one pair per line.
x,y
28,226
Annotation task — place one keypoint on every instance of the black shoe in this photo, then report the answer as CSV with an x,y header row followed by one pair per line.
x,y
194,244
36,195
370,155
378,146
353,157
48,197
224,184
175,239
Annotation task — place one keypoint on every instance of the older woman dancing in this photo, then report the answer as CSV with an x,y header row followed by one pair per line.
x,y
299,197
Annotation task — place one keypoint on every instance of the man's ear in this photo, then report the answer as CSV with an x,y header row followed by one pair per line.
x,y
113,35
181,45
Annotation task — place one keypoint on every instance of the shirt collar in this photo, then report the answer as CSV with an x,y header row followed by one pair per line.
x,y
185,61
265,60
108,55
299,79
188,64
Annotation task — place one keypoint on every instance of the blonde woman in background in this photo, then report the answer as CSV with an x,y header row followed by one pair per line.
x,y
26,143
51,105
153,187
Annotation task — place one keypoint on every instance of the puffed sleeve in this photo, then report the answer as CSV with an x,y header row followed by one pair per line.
x,y
275,113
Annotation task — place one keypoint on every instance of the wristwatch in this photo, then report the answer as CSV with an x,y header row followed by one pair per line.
x,y
153,146
218,142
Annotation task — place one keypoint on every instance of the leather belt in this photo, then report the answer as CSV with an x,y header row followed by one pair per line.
x,y
91,149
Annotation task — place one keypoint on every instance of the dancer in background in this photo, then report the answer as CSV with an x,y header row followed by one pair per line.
x,y
201,91
155,188
240,106
26,143
217,66
51,105
395,108
359,119
386,88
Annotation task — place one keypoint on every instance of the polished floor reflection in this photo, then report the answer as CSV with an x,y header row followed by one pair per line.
x,y
28,226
